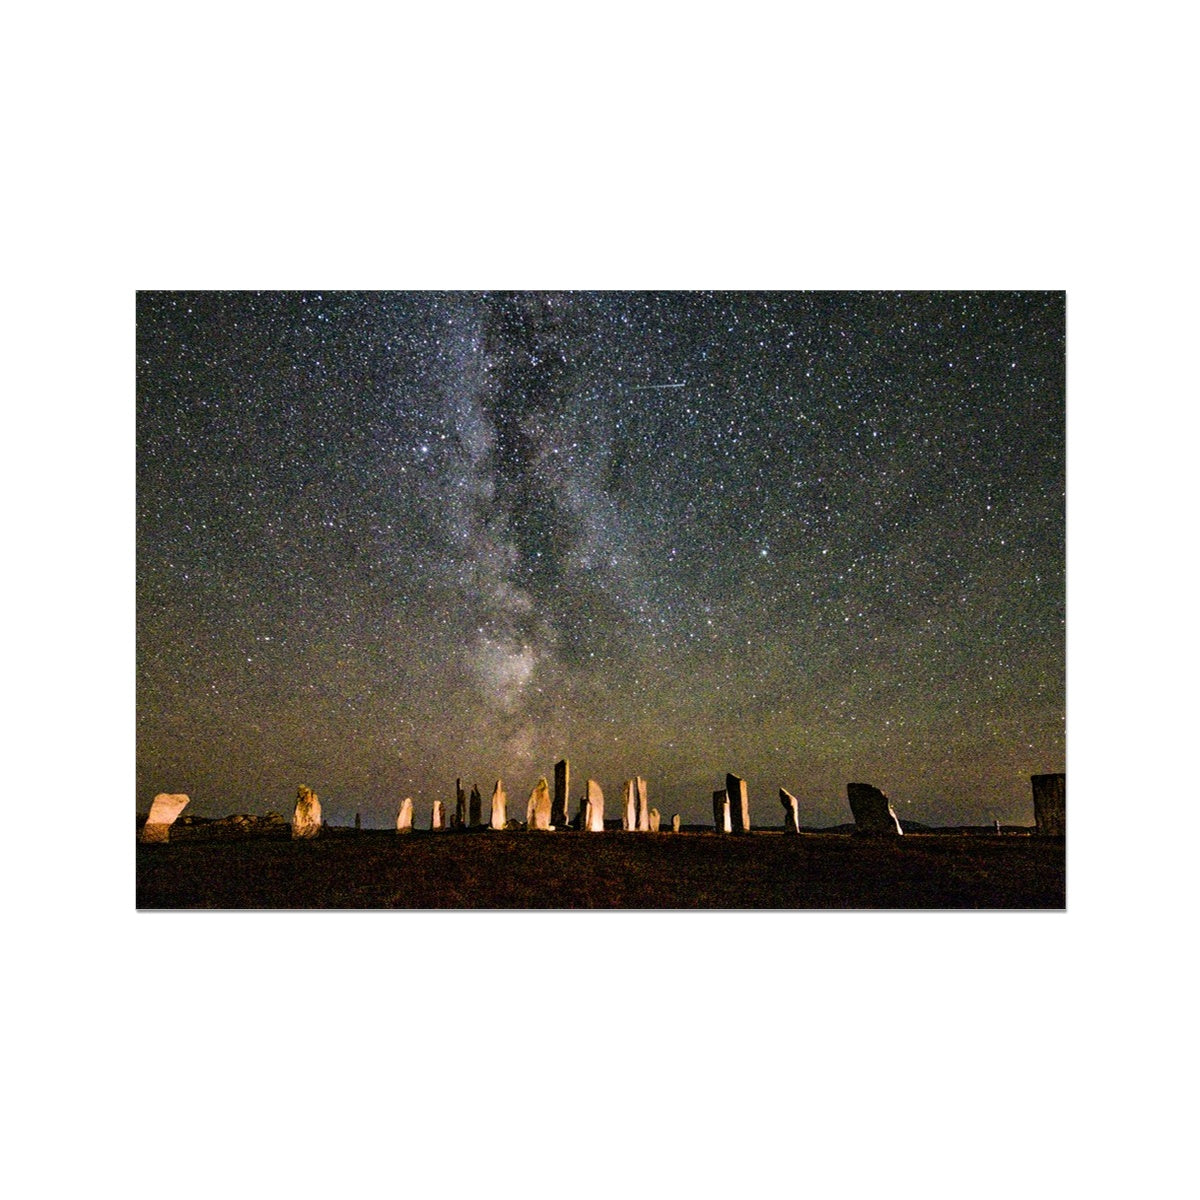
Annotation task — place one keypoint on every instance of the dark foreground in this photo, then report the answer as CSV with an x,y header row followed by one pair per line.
x,y
482,869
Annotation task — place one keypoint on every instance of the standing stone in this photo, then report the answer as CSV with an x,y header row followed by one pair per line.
x,y
675,823
499,806
721,822
629,816
460,806
357,819
438,820
476,817
594,808
562,792
654,820
791,811
739,803
166,807
306,820
404,816
537,813
1050,804
873,811
643,813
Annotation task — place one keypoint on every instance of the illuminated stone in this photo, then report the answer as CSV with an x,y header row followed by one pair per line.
x,y
1050,804
562,792
675,823
593,808
404,816
643,813
629,816
739,803
438,819
654,820
499,806
166,807
873,811
537,812
721,821
476,817
306,819
791,811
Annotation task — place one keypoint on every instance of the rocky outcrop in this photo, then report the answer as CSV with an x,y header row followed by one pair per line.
x,y
166,807
1050,804
306,819
873,811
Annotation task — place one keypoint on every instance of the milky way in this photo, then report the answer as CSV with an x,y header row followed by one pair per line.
x,y
389,539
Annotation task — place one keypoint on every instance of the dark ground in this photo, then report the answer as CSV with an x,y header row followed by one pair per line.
x,y
483,869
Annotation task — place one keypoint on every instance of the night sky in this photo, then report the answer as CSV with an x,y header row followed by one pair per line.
x,y
389,539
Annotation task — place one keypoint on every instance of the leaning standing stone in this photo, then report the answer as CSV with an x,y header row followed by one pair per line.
x,y
791,811
562,792
739,803
873,811
1050,804
306,819
537,813
163,811
499,806
404,816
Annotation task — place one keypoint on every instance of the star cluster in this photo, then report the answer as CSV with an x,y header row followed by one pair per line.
x,y
389,539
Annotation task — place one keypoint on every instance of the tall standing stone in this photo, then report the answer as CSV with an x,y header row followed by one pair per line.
x,y
499,806
166,807
1050,804
404,816
306,819
537,813
562,793
791,811
629,816
593,808
438,819
721,822
739,803
476,817
675,823
643,813
873,811
654,820
460,806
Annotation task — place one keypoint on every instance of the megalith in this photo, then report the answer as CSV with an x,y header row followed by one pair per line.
x,y
654,820
791,811
537,813
460,806
739,803
721,821
593,808
643,813
1050,804
166,807
476,815
404,816
562,793
629,816
873,811
499,806
306,819
438,819
675,823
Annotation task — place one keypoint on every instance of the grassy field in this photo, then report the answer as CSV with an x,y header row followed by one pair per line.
x,y
482,869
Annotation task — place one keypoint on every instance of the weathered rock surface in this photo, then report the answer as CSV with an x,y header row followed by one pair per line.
x,y
675,823
791,811
476,813
739,803
873,811
438,819
593,808
460,806
643,813
166,807
499,806
404,816
721,820
629,816
306,819
1050,804
654,820
537,813
562,793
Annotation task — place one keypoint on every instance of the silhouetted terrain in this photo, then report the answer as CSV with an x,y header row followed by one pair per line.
x,y
204,868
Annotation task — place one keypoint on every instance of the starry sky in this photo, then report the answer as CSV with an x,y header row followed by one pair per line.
x,y
389,539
